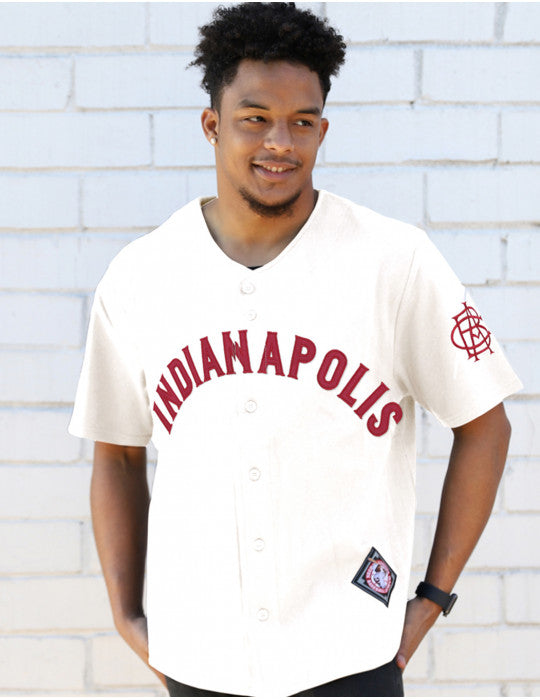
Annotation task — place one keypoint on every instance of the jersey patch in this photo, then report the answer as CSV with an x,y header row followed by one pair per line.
x,y
469,334
376,577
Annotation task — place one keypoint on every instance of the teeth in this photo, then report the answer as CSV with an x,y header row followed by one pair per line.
x,y
273,169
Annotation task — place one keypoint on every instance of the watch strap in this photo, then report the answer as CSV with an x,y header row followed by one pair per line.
x,y
436,595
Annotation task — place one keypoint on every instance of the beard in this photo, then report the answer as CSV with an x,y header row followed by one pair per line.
x,y
270,210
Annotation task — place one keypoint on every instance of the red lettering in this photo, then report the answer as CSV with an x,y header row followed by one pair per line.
x,y
345,394
191,366
303,352
209,360
235,351
334,380
168,426
371,400
271,355
176,369
388,411
168,397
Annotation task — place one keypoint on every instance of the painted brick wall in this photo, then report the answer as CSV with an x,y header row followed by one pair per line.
x,y
435,120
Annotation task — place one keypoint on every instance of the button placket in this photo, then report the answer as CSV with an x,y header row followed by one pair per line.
x,y
258,544
259,570
250,406
262,614
247,286
254,474
247,290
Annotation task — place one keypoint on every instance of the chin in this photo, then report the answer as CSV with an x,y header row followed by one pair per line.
x,y
270,210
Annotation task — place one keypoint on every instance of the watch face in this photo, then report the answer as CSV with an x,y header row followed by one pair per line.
x,y
450,605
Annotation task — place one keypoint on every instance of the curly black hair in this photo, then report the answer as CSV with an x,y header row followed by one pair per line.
x,y
266,31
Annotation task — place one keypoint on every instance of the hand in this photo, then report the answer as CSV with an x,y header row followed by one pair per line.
x,y
134,631
420,616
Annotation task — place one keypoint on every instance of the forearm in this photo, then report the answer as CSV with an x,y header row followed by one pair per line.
x,y
119,499
474,472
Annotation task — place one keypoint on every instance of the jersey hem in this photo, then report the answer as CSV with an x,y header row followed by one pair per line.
x,y
288,690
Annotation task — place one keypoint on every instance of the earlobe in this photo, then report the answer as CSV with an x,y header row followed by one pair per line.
x,y
210,124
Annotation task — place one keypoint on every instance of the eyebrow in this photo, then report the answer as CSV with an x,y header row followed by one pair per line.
x,y
248,104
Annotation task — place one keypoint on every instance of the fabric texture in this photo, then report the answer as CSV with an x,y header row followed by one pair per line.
x,y
281,401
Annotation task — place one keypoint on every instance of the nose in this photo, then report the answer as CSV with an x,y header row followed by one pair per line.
x,y
279,138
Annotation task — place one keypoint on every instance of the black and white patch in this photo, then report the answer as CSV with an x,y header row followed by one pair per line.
x,y
376,577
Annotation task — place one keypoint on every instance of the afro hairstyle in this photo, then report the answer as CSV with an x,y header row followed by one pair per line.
x,y
265,31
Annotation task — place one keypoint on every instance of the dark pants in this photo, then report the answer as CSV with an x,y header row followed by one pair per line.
x,y
385,681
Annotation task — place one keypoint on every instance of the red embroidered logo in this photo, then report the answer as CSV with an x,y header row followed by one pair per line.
x,y
469,334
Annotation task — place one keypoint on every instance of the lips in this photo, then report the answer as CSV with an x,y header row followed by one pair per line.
x,y
274,169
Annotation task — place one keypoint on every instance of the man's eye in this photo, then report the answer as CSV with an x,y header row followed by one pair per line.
x,y
254,120
304,122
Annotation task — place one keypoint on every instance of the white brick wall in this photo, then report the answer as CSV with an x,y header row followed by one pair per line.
x,y
434,120
126,668
75,140
508,654
59,549
414,22
65,24
522,22
40,83
42,663
131,199
27,201
398,135
136,81
482,75
520,134
74,603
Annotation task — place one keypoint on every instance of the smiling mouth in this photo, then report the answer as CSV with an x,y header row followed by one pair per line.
x,y
276,167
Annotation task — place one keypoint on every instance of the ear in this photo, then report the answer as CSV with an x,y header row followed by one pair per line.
x,y
323,129
210,123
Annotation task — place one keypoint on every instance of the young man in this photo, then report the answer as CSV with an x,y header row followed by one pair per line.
x,y
271,341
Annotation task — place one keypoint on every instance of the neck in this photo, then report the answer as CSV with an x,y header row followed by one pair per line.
x,y
251,238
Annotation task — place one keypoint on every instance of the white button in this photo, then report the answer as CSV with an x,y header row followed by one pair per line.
x,y
250,406
258,545
247,287
254,474
252,315
263,615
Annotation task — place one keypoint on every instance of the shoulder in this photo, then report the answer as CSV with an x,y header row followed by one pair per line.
x,y
146,255
175,230
370,228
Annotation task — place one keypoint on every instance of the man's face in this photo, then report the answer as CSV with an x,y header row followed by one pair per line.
x,y
269,128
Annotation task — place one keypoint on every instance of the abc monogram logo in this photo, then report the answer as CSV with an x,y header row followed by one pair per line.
x,y
470,334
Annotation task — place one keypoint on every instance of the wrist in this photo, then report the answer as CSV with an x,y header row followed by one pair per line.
x,y
443,600
431,609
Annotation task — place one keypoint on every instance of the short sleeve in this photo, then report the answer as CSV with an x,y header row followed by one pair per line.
x,y
445,356
111,404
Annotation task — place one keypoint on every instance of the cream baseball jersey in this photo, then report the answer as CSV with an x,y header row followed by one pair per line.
x,y
281,403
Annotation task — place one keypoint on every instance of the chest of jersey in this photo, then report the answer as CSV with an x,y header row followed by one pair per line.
x,y
316,326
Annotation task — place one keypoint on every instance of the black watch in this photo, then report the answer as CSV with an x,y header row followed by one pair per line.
x,y
444,600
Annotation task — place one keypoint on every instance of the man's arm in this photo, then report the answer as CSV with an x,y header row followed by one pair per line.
x,y
474,472
119,499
